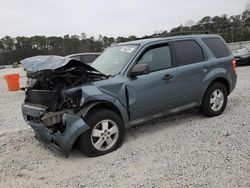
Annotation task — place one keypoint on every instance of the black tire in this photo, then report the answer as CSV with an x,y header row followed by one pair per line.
x,y
93,119
207,107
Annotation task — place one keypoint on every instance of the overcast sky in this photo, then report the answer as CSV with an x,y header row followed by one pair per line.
x,y
106,17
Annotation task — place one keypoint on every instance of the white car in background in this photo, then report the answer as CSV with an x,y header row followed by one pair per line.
x,y
242,55
86,58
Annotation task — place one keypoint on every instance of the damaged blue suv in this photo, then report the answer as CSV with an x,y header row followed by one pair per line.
x,y
130,83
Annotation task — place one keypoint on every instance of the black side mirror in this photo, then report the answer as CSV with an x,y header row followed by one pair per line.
x,y
139,69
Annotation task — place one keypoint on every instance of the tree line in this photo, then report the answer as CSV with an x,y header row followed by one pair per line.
x,y
231,28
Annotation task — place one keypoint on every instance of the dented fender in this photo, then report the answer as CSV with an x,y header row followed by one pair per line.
x,y
75,126
93,95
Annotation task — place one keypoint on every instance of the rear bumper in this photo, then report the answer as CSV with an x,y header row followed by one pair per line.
x,y
58,141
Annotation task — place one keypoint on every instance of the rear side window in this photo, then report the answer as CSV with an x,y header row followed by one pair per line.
x,y
217,46
157,58
188,52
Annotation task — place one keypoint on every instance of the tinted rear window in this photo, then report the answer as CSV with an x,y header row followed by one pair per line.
x,y
188,52
217,46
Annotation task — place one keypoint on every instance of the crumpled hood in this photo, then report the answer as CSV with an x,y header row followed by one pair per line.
x,y
51,62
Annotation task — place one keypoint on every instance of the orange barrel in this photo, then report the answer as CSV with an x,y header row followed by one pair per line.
x,y
12,81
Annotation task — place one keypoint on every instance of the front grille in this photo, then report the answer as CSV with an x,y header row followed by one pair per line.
x,y
46,98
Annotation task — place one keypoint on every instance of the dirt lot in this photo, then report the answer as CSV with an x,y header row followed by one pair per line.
x,y
184,150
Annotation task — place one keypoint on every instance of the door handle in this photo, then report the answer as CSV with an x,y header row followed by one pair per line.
x,y
205,68
168,77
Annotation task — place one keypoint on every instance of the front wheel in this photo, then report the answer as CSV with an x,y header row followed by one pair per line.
x,y
215,100
106,133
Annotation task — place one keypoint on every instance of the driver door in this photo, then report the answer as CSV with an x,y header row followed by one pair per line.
x,y
156,92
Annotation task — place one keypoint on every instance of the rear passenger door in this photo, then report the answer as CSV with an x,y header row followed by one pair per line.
x,y
192,66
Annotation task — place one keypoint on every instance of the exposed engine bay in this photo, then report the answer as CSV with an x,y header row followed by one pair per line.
x,y
46,87
55,89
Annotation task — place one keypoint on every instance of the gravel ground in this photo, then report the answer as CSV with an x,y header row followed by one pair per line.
x,y
183,150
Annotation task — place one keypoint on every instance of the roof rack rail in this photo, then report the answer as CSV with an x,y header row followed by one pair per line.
x,y
171,34
189,33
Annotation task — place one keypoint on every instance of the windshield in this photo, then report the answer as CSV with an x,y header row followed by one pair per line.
x,y
114,59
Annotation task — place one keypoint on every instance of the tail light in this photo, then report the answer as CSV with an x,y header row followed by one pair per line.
x,y
234,65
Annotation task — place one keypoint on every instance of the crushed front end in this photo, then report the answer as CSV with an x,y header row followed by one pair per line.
x,y
62,135
53,99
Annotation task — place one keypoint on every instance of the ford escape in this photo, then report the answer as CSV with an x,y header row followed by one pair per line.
x,y
130,83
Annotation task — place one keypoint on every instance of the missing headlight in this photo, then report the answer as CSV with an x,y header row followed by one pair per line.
x,y
74,96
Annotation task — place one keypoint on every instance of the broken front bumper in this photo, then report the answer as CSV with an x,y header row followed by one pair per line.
x,y
62,142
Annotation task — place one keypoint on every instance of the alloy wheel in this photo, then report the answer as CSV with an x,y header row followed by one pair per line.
x,y
217,100
104,135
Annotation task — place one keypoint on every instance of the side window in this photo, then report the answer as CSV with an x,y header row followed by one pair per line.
x,y
88,58
217,46
76,57
188,52
157,58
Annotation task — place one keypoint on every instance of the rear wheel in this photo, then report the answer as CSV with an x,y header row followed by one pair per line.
x,y
215,100
106,133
